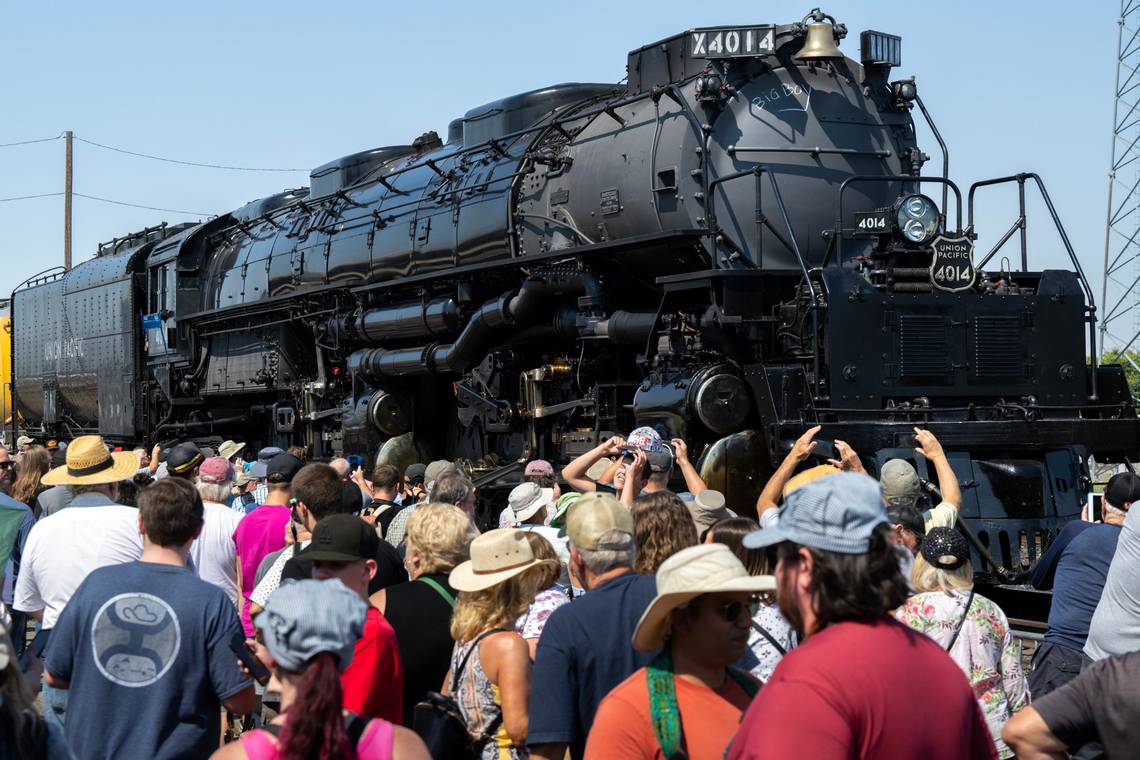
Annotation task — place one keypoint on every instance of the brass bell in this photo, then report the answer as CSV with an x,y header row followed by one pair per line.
x,y
819,44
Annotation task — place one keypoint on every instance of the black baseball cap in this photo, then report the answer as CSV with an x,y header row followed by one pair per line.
x,y
1122,488
283,468
183,458
416,471
343,538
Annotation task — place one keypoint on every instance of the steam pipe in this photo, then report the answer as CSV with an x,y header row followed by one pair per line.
x,y
413,320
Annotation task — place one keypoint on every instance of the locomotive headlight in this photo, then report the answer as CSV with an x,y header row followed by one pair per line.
x,y
917,219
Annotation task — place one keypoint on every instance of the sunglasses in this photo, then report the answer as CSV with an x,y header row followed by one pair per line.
x,y
6,465
731,611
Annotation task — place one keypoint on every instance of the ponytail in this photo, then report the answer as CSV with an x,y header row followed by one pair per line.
x,y
315,727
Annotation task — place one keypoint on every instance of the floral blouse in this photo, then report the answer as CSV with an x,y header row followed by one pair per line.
x,y
985,650
531,623
763,656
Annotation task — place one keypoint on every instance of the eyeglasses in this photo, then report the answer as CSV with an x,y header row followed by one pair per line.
x,y
730,611
6,465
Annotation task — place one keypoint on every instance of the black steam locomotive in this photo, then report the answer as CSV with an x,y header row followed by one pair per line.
x,y
735,243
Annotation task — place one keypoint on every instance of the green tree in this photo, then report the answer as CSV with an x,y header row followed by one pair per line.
x,y
1131,363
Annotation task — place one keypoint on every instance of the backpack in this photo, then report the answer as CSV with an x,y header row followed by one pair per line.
x,y
440,723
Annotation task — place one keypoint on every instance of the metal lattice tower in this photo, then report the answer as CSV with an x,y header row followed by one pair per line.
x,y
1120,293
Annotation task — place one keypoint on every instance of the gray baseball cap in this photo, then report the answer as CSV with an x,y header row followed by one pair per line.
x,y
900,483
304,618
836,514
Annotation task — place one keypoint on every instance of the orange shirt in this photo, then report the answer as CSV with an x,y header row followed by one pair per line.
x,y
709,718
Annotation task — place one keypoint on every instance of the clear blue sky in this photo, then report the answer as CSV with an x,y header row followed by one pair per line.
x,y
1012,86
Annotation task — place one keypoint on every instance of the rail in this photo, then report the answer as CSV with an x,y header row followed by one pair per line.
x,y
840,233
759,171
1020,224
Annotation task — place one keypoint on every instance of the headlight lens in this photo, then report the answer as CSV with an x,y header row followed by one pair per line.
x,y
917,218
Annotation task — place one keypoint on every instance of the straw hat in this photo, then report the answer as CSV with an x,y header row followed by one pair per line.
x,y
89,463
496,556
691,572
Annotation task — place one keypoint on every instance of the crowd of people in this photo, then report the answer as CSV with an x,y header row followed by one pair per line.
x,y
192,602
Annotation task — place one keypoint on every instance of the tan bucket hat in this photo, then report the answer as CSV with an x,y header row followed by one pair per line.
x,y
496,556
691,572
89,463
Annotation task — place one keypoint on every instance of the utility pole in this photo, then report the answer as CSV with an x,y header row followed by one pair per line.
x,y
67,202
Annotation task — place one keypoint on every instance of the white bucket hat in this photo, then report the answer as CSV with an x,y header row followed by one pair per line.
x,y
691,572
526,499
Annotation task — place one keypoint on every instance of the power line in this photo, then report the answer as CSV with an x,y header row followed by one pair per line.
x,y
108,200
26,197
137,205
29,142
186,163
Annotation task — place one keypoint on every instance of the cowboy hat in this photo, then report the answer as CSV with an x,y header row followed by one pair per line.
x,y
89,463
496,556
691,572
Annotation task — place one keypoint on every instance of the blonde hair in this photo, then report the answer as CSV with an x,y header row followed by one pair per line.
x,y
541,547
928,577
496,607
33,465
442,533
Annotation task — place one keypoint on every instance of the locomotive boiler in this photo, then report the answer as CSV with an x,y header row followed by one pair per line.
x,y
735,243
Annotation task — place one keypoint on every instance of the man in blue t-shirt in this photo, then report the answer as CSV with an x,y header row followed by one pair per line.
x,y
143,647
585,649
1075,567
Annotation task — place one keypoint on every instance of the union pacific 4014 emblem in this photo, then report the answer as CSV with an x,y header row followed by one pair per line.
x,y
952,266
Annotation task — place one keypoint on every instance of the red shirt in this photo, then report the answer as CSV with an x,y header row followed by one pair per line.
x,y
373,683
867,690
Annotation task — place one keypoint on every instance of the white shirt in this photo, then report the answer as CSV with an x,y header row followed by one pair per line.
x,y
272,578
63,548
213,553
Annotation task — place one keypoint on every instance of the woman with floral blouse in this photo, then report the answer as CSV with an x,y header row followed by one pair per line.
x,y
970,627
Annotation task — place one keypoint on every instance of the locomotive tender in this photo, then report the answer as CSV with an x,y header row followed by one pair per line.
x,y
734,244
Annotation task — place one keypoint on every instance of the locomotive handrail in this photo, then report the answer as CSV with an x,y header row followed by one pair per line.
x,y
839,234
941,144
759,171
1020,223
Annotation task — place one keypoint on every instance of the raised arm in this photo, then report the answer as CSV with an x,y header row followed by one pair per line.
x,y
575,472
930,448
693,481
801,450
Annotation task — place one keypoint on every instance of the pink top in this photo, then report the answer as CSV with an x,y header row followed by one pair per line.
x,y
375,743
259,533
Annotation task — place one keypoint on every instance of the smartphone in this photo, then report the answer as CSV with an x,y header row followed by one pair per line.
x,y
1096,507
354,461
259,672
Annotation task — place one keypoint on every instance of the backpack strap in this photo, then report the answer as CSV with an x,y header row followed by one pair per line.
x,y
962,622
771,639
664,713
354,725
492,727
474,648
439,589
